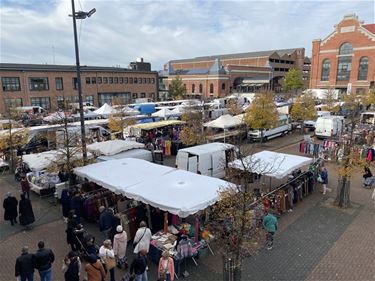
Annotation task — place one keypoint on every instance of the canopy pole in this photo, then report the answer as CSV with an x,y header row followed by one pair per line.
x,y
165,222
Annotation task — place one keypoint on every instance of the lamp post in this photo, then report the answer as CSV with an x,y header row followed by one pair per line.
x,y
80,15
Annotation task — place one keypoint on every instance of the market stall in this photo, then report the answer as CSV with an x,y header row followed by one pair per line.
x,y
113,147
229,124
105,110
164,113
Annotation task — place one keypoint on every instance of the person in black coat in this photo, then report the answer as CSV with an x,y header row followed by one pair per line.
x,y
26,211
70,230
76,205
71,267
25,265
10,205
43,261
66,197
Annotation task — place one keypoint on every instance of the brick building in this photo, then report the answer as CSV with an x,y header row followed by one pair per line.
x,y
218,76
49,86
345,59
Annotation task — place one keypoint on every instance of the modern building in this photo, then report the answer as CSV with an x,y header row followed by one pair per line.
x,y
51,86
220,75
345,59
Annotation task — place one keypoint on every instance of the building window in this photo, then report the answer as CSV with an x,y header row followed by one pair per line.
x,y
211,88
130,80
60,102
223,86
193,88
139,80
88,80
363,68
346,49
152,80
89,100
343,68
121,80
143,95
13,103
135,95
59,83
93,80
144,80
325,70
11,83
185,87
43,102
105,80
75,83
122,98
125,80
115,80
148,80
38,84
200,88
110,80
99,80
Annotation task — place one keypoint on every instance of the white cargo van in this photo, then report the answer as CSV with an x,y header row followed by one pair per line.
x,y
282,128
311,123
208,159
329,126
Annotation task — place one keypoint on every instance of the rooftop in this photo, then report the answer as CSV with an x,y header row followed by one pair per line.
x,y
370,27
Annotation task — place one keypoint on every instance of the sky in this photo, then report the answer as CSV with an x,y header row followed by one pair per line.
x,y
41,31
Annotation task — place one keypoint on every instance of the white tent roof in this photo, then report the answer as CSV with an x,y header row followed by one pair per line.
x,y
179,192
57,116
113,147
164,112
272,164
88,114
105,110
224,122
178,110
129,111
41,161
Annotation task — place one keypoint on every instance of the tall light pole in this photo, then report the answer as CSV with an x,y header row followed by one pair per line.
x,y
80,15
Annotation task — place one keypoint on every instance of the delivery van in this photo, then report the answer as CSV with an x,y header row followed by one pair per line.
x,y
311,123
207,159
282,128
329,126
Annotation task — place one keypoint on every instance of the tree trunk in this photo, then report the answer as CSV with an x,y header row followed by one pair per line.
x,y
343,192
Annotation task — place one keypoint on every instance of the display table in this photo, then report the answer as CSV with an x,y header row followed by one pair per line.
x,y
42,183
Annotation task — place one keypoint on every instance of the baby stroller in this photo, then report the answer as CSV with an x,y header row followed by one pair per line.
x,y
88,246
368,182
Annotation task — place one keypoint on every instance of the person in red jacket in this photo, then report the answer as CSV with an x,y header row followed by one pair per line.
x,y
25,186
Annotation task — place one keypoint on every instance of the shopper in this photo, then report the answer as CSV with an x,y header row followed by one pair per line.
x,y
66,197
119,246
142,238
166,267
25,265
94,269
107,257
10,204
105,222
324,179
71,226
138,266
25,187
71,267
26,213
270,225
43,262
76,204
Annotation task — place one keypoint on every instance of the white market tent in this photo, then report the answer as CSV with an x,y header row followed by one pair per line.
x,y
272,164
225,121
105,110
162,113
129,111
55,117
41,161
87,115
113,147
177,111
178,192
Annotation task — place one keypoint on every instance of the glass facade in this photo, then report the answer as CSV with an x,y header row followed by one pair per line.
x,y
11,83
325,70
363,68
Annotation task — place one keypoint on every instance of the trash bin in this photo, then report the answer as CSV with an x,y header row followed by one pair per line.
x,y
158,157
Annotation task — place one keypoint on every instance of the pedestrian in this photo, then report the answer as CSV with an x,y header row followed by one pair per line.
x,y
270,225
94,269
116,220
107,257
368,180
71,267
26,213
66,197
90,247
166,267
138,266
324,179
119,246
43,262
25,186
105,221
71,226
142,238
76,204
10,204
25,265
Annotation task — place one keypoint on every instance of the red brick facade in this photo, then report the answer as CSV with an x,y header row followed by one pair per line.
x,y
361,39
99,85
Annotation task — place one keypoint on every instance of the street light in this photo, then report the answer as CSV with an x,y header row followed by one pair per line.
x,y
80,15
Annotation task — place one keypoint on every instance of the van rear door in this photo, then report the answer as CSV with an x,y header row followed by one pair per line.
x,y
182,160
218,164
193,164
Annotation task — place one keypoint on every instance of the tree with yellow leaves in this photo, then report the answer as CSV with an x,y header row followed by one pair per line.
x,y
176,89
233,107
303,109
262,113
330,102
192,132
117,123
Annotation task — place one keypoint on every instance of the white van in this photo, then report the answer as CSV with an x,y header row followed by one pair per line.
x,y
208,159
311,123
281,129
329,126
